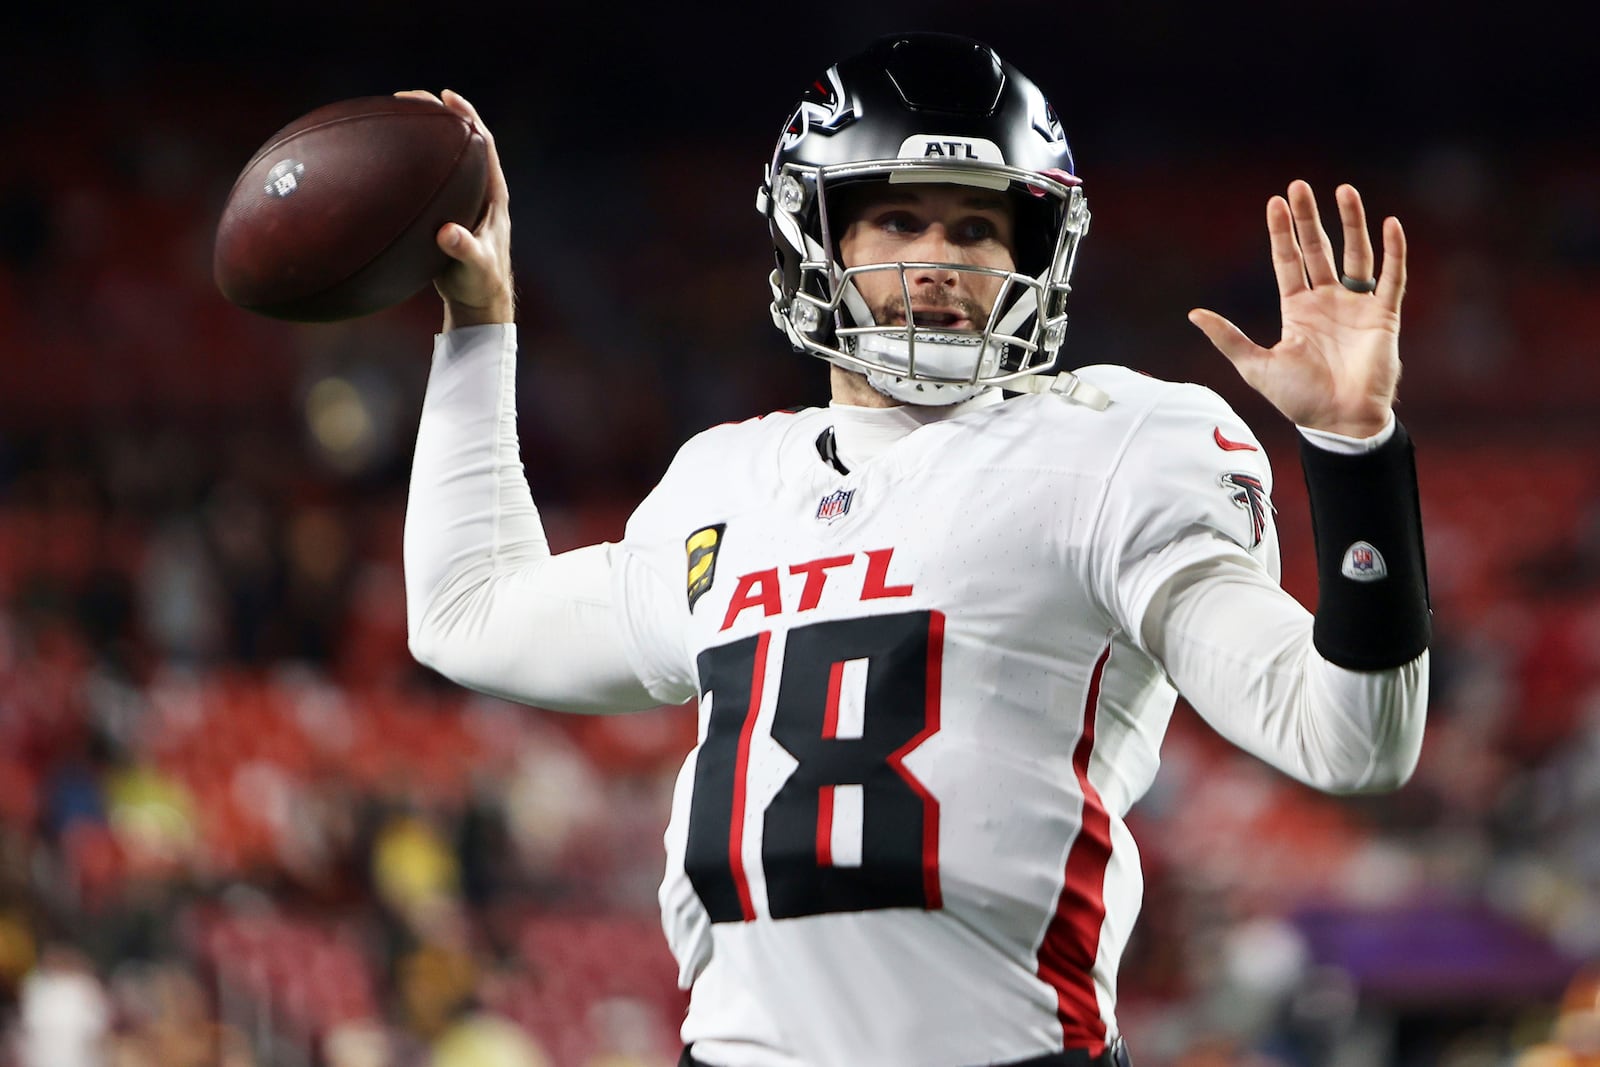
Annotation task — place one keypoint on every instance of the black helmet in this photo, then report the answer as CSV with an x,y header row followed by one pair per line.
x,y
924,107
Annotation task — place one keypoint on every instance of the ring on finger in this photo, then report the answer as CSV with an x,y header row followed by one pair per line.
x,y
1358,285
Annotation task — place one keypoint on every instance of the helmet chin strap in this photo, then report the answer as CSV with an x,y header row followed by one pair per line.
x,y
924,394
947,359
942,358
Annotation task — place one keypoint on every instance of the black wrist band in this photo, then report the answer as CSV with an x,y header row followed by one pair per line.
x,y
1372,574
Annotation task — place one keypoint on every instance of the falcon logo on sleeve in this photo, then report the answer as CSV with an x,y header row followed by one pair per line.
x,y
701,548
1248,494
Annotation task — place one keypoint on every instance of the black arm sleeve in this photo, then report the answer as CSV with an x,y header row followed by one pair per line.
x,y
1372,598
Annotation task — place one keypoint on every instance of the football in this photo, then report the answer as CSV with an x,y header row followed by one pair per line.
x,y
335,217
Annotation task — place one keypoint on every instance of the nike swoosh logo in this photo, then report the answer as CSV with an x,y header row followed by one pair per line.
x,y
1231,446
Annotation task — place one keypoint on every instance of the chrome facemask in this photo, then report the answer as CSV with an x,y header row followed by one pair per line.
x,y
917,363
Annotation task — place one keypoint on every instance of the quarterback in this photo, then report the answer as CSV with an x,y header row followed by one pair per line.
x,y
935,630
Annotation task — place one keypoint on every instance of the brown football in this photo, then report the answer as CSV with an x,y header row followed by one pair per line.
x,y
335,217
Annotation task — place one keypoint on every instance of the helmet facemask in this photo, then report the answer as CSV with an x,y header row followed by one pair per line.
x,y
821,309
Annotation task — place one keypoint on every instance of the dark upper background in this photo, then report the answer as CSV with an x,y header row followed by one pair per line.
x,y
1379,74
634,135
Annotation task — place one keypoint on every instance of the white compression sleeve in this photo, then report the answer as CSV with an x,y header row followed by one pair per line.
x,y
1239,650
487,605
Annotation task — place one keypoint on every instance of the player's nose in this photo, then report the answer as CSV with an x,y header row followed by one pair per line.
x,y
933,245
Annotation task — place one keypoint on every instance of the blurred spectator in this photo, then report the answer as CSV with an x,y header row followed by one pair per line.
x,y
480,1039
166,1018
438,975
65,1014
359,1043
1575,1036
415,871
17,951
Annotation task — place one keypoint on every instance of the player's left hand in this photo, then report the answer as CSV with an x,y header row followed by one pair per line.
x,y
1337,365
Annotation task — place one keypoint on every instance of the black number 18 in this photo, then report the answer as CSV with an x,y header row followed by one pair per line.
x,y
899,861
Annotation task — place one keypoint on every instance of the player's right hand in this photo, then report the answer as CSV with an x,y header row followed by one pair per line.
x,y
477,286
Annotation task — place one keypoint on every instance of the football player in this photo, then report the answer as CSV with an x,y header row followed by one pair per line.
x,y
936,629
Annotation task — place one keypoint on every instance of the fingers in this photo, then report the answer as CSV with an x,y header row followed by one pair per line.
x,y
1228,338
1302,255
477,285
1392,286
454,241
1287,263
499,194
1358,262
1315,248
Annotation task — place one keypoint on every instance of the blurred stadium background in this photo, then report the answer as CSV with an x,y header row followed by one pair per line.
x,y
238,826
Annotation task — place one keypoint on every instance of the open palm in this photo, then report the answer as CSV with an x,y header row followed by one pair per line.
x,y
1337,365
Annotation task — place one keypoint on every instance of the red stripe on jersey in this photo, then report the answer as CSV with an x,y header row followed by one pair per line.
x,y
830,728
930,726
736,827
825,826
830,714
1072,940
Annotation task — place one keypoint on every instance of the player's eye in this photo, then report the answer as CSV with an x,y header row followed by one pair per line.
x,y
900,222
978,229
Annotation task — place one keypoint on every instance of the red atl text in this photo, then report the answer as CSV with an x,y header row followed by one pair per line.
x,y
762,589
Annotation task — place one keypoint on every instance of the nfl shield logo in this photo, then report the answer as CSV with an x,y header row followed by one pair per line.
x,y
1363,563
835,504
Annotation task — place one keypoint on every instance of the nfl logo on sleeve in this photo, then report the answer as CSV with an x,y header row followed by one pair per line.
x,y
1363,563
835,504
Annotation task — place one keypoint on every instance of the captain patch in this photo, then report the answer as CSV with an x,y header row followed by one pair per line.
x,y
701,548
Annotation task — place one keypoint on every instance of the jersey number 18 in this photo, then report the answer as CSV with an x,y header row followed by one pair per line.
x,y
898,864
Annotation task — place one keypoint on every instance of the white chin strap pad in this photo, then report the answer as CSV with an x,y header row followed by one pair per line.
x,y
944,359
928,394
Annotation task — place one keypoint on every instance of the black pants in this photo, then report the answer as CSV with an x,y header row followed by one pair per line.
x,y
1115,1055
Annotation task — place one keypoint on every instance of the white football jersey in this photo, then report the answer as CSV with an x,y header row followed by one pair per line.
x,y
924,709
930,687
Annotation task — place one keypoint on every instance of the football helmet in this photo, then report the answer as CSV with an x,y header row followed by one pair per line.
x,y
923,107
